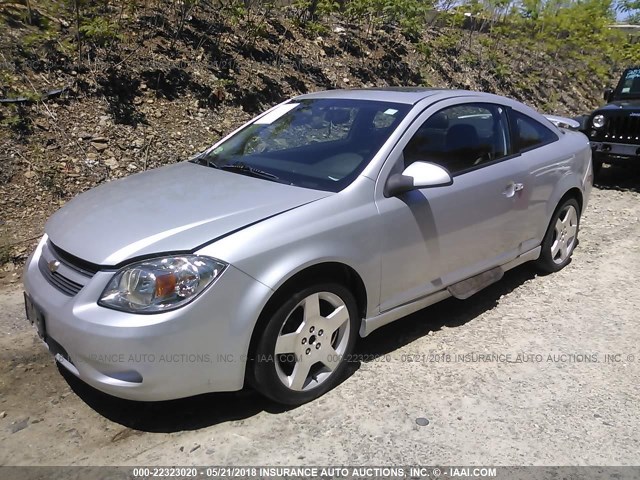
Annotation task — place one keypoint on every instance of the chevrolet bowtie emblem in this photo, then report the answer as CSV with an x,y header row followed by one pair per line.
x,y
53,265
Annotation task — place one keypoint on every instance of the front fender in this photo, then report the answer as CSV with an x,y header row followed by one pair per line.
x,y
342,228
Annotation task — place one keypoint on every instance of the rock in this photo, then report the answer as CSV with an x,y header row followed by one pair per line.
x,y
3,414
138,143
21,425
99,146
345,80
30,174
423,422
41,125
111,162
92,156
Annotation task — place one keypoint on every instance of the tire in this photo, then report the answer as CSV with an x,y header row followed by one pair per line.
x,y
561,237
313,332
597,166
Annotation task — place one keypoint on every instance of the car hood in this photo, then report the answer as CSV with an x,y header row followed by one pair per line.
x,y
169,209
616,106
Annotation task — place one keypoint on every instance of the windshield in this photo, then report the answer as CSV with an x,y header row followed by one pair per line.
x,y
629,86
321,143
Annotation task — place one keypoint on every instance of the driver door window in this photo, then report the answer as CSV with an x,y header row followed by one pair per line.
x,y
461,138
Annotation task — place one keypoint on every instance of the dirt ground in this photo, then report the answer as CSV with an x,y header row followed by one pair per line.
x,y
561,387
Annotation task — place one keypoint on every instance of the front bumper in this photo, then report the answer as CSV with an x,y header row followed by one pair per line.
x,y
615,152
199,348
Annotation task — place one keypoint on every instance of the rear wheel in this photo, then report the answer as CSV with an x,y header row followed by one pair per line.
x,y
303,350
561,237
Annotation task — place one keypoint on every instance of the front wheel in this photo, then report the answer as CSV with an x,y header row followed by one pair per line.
x,y
561,237
597,166
303,351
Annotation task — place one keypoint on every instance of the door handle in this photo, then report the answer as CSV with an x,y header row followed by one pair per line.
x,y
512,188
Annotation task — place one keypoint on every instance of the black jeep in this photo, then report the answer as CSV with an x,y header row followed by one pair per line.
x,y
614,129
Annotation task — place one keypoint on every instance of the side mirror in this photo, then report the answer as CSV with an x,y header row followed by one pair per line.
x,y
608,94
417,175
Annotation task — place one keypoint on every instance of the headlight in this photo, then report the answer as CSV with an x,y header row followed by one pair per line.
x,y
598,121
160,284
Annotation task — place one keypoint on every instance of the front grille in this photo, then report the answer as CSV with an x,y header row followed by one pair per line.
x,y
81,266
621,128
64,284
63,271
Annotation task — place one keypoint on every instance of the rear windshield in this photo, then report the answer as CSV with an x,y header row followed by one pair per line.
x,y
318,143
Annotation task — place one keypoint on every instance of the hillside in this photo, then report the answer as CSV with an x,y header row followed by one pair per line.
x,y
154,84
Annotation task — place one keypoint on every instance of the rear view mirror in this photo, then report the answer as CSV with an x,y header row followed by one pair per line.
x,y
608,94
417,175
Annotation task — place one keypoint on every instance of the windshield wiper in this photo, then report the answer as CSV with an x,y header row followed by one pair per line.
x,y
245,169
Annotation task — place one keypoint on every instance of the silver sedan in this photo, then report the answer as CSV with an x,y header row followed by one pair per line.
x,y
261,260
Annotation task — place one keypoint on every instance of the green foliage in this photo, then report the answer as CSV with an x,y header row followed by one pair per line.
x,y
327,7
234,10
317,28
36,38
16,117
100,31
424,49
448,43
577,31
5,254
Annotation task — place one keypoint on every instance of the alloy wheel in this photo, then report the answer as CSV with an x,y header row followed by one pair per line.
x,y
312,341
565,232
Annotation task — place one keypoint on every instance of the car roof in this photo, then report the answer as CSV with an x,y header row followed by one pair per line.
x,y
407,95
413,95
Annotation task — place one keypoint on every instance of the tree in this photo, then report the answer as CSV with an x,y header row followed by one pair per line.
x,y
632,9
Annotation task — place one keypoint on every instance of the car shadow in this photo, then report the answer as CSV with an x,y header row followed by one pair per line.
x,y
624,178
168,416
210,409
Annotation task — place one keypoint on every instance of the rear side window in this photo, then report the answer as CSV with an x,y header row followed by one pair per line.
x,y
530,133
